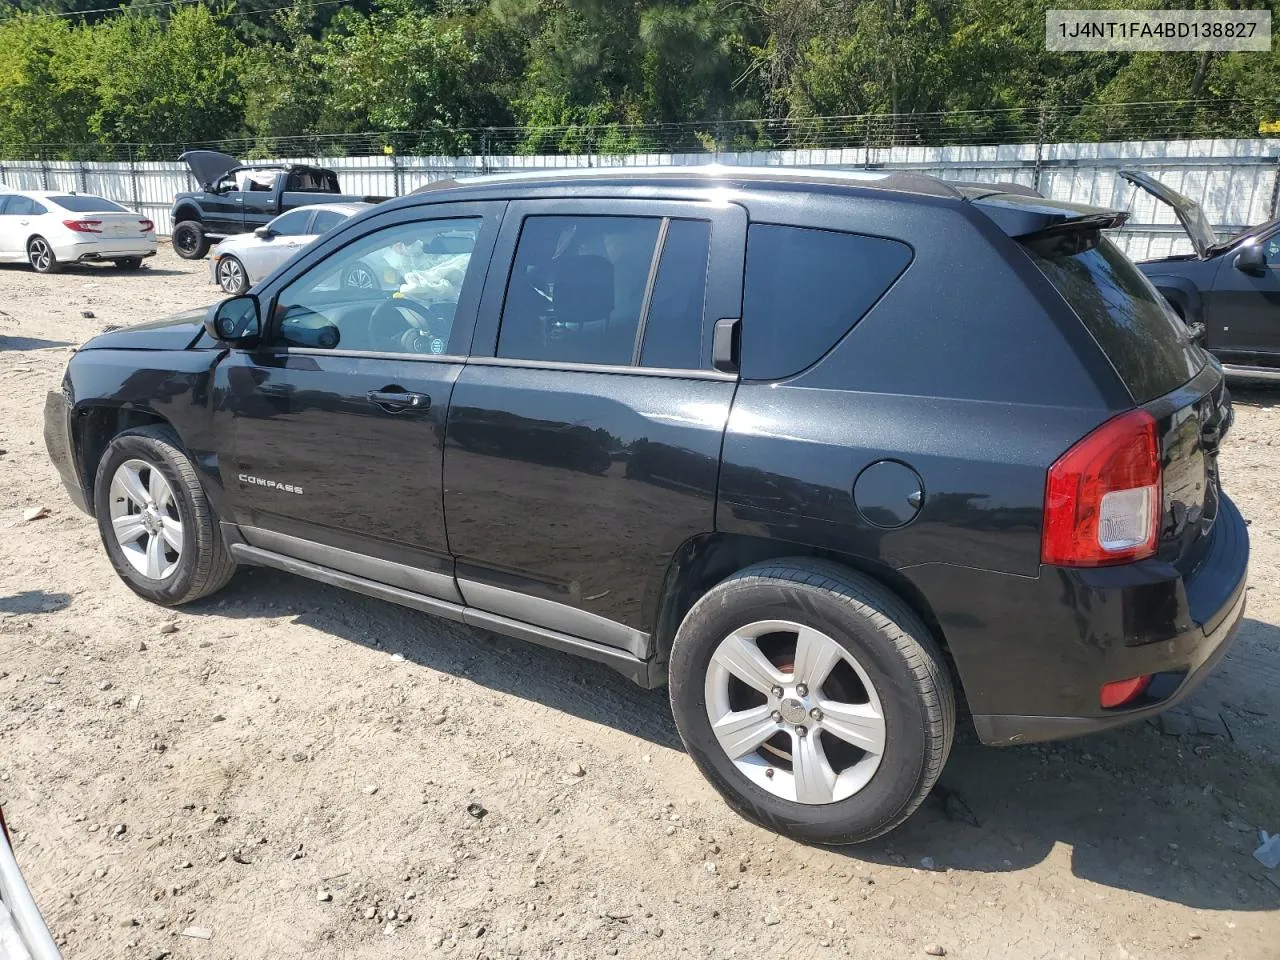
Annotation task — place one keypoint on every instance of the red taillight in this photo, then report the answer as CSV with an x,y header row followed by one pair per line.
x,y
147,226
83,226
1119,692
1102,499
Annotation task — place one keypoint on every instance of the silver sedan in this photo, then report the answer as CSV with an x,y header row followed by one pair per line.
x,y
240,261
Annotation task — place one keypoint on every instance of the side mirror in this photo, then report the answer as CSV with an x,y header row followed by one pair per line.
x,y
237,321
1251,260
264,233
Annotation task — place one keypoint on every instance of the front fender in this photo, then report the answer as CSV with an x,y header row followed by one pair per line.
x,y
1182,293
110,390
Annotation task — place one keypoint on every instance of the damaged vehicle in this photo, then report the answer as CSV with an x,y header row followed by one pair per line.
x,y
1227,291
237,197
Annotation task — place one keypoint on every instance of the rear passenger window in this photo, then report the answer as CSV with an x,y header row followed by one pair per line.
x,y
673,328
577,289
805,289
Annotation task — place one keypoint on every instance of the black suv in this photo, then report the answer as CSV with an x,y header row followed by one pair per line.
x,y
814,449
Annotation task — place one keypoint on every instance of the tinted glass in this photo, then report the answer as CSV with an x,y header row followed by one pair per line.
x,y
86,204
1271,250
20,207
1146,342
326,220
804,289
292,224
4,203
387,292
577,287
673,328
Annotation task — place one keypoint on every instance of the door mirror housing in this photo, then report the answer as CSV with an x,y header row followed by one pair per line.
x,y
236,321
264,233
1251,260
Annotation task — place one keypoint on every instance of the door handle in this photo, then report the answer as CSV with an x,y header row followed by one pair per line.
x,y
393,400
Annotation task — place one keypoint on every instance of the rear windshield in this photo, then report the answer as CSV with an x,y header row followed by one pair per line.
x,y
85,204
1146,341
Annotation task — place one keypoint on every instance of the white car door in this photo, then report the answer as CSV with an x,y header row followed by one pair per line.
x,y
10,241
290,233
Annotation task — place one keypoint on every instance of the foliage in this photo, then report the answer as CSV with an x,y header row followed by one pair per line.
x,y
604,75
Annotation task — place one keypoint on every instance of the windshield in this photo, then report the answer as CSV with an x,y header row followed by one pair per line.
x,y
1248,233
1144,339
88,204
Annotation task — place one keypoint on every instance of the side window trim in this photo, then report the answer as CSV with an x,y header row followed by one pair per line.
x,y
725,265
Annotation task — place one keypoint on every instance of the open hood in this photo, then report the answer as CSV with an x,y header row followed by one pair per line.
x,y
1190,214
208,166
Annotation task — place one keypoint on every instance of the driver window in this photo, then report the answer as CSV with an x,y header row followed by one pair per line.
x,y
1271,250
393,291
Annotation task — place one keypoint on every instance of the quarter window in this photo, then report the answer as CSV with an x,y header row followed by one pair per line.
x,y
395,291
593,289
805,289
326,220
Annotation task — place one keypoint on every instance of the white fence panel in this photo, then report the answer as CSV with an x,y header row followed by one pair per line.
x,y
1235,180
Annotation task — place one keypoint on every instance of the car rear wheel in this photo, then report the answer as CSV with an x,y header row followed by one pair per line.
x,y
189,241
231,276
159,529
813,699
41,256
128,263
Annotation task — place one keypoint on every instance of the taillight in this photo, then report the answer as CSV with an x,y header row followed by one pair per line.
x,y
1120,692
1102,499
147,225
83,226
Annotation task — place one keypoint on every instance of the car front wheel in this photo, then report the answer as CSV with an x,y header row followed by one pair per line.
x,y
813,699
231,276
158,527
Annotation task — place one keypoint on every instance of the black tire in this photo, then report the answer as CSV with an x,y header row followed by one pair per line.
x,y
128,263
204,565
232,277
889,641
189,241
361,276
41,256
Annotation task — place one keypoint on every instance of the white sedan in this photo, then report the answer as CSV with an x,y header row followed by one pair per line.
x,y
48,229
238,262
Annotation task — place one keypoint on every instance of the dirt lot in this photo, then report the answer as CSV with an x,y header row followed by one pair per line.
x,y
287,769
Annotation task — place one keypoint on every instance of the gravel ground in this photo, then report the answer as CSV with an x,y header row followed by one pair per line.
x,y
286,770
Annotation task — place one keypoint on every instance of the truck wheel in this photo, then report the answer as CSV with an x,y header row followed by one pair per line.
x,y
814,700
189,241
159,529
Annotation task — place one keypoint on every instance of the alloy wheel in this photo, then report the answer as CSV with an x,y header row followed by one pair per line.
x,y
185,240
231,275
795,712
145,519
359,278
40,254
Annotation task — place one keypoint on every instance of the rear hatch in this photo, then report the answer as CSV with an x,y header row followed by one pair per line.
x,y
1165,371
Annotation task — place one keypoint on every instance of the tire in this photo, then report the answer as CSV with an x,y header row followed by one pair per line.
x,y
232,277
189,241
360,276
41,256
888,657
128,263
203,564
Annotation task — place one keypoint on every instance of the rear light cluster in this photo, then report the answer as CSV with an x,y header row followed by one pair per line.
x,y
1103,496
147,226
83,226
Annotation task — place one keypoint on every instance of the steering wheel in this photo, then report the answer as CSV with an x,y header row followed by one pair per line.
x,y
428,332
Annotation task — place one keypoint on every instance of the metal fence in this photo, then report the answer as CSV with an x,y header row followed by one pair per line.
x,y
1236,180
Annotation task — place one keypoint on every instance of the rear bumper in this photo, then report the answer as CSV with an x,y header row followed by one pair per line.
x,y
1033,654
58,441
105,249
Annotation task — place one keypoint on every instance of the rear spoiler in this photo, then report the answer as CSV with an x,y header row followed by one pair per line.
x,y
1025,217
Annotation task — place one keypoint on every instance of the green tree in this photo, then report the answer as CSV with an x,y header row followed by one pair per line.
x,y
40,103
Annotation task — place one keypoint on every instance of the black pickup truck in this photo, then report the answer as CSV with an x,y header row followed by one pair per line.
x,y
239,197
